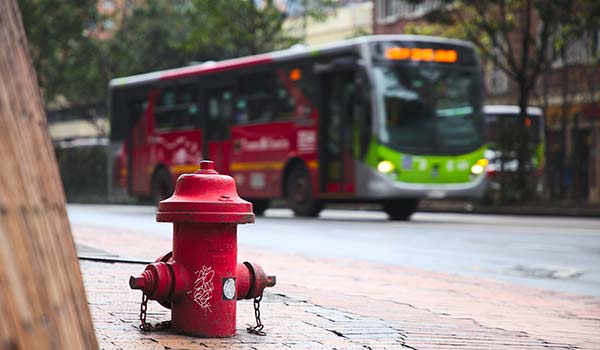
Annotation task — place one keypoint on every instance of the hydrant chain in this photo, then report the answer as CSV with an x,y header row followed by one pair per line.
x,y
148,327
258,329
143,307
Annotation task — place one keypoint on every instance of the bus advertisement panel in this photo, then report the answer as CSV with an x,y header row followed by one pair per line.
x,y
388,119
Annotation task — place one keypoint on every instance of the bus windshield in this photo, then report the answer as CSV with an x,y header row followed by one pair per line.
x,y
429,107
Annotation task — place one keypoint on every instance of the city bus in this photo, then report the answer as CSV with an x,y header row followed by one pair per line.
x,y
505,119
386,119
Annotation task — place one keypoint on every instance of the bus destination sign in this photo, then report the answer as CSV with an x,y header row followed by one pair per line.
x,y
421,54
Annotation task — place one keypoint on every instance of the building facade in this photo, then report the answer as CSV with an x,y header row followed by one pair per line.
x,y
347,20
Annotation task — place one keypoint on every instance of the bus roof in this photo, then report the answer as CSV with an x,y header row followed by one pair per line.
x,y
297,51
510,109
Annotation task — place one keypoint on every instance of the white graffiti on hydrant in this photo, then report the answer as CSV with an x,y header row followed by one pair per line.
x,y
203,287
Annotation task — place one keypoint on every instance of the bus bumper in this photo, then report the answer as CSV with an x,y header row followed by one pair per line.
x,y
372,184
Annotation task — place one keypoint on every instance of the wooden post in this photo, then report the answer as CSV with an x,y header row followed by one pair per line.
x,y
42,300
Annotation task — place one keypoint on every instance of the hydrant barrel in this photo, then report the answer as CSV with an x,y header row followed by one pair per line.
x,y
207,307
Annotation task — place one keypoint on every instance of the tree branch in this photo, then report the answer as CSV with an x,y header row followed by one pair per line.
x,y
541,59
491,33
505,34
484,50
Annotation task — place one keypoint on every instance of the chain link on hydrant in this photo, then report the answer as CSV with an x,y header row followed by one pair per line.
x,y
200,280
258,329
148,327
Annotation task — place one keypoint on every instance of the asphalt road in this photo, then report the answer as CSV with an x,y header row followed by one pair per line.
x,y
561,254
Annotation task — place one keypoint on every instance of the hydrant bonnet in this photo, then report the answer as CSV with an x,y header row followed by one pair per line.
x,y
205,196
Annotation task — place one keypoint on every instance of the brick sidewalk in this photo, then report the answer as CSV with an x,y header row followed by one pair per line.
x,y
322,303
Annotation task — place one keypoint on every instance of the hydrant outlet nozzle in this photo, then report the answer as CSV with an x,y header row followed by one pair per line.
x,y
271,281
137,282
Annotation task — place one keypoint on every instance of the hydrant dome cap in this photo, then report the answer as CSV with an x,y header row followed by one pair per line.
x,y
205,196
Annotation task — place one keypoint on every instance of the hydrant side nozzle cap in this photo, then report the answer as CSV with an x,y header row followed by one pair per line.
x,y
137,282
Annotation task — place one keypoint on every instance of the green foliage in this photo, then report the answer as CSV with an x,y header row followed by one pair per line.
x,y
234,28
148,38
56,34
576,20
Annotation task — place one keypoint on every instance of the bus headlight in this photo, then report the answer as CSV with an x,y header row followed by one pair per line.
x,y
385,166
479,166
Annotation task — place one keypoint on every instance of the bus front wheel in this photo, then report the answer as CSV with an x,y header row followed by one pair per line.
x,y
400,209
299,193
162,185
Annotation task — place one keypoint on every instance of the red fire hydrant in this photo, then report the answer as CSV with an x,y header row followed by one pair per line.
x,y
201,280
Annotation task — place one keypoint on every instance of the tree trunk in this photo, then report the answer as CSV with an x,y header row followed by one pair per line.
x,y
564,124
523,152
42,300
525,84
549,188
577,170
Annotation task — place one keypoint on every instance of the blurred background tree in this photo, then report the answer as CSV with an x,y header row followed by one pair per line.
x,y
76,52
56,30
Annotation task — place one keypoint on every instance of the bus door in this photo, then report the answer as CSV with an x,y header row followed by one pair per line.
x,y
336,131
219,111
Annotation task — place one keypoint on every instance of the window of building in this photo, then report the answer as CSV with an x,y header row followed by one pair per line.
x,y
108,5
108,24
595,42
496,81
583,50
391,10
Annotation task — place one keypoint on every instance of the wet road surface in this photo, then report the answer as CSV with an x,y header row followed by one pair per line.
x,y
561,254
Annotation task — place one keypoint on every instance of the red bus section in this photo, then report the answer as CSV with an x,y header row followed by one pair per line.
x,y
300,124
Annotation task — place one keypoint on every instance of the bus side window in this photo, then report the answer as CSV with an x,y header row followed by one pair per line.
x,y
285,103
177,108
220,111
255,100
302,89
186,114
162,110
